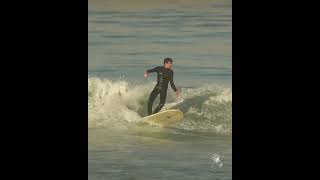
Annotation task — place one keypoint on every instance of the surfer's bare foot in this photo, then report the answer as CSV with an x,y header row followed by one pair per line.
x,y
146,74
177,93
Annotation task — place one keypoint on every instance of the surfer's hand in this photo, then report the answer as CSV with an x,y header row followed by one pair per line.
x,y
146,74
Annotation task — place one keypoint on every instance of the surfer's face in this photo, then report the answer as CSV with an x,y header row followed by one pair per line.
x,y
168,65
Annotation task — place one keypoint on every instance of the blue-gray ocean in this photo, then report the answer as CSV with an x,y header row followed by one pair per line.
x,y
127,37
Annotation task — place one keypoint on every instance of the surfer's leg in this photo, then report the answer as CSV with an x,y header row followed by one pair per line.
x,y
163,97
152,97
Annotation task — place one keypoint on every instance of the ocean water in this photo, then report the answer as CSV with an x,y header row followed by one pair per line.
x,y
127,37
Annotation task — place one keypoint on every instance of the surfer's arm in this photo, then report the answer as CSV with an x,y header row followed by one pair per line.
x,y
156,69
172,83
152,70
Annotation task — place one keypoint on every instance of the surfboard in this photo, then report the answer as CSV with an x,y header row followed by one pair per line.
x,y
165,118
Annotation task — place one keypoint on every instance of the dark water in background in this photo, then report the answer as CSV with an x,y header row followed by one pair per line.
x,y
126,38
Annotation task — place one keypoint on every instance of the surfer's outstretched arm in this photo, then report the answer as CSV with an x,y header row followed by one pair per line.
x,y
153,70
156,69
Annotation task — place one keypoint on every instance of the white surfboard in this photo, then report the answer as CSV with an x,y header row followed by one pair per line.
x,y
165,118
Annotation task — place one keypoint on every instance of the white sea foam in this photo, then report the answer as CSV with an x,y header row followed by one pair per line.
x,y
118,103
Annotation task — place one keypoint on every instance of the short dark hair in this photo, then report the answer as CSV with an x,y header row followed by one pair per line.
x,y
166,60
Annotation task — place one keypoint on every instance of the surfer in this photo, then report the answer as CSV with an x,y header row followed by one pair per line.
x,y
164,76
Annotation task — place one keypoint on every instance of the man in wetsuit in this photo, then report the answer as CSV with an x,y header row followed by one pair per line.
x,y
164,76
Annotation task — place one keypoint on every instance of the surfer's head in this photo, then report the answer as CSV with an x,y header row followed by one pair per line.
x,y
167,63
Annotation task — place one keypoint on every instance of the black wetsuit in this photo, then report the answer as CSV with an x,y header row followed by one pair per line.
x,y
164,76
